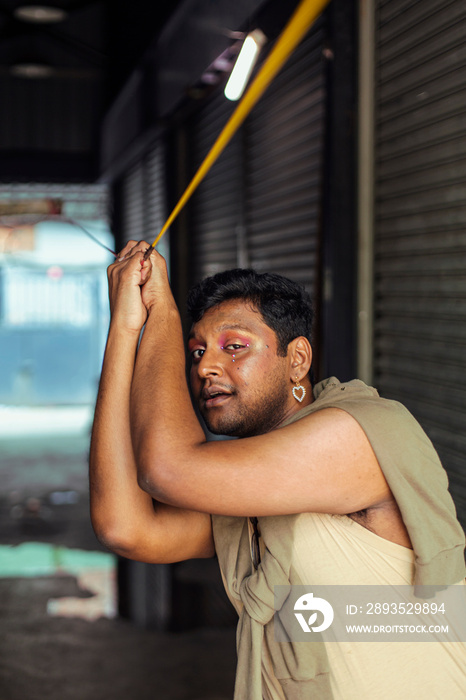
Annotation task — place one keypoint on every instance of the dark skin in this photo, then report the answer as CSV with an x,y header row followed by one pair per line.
x,y
148,444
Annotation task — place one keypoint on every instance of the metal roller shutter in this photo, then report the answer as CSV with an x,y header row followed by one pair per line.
x,y
146,588
260,204
284,140
216,211
133,204
420,225
144,199
156,210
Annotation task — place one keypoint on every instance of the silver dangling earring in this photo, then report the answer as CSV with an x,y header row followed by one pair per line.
x,y
299,392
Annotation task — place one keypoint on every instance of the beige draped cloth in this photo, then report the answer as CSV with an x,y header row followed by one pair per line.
x,y
419,485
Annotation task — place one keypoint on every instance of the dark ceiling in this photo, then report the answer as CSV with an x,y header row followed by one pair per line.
x,y
59,80
49,126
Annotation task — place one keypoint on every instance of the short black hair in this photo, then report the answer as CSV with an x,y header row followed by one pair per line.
x,y
284,305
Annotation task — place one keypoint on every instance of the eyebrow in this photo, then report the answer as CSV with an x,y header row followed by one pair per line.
x,y
227,327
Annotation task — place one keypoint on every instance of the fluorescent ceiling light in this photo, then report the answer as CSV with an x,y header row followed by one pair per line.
x,y
244,64
32,71
40,14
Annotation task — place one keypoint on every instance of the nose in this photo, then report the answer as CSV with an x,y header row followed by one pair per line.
x,y
210,365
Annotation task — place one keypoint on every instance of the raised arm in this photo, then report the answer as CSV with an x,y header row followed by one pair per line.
x,y
323,463
124,517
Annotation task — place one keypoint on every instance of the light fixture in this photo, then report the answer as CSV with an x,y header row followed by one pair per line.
x,y
32,71
244,65
40,14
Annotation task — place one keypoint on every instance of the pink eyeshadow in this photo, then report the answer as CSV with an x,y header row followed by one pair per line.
x,y
225,338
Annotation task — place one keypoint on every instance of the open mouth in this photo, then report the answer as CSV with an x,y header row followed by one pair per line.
x,y
213,397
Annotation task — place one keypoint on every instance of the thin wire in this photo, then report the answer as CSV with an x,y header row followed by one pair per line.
x,y
303,17
72,222
56,217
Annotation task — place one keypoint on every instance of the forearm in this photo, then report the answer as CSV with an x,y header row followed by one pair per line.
x,y
163,422
117,502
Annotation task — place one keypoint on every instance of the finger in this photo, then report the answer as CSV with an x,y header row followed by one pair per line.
x,y
130,248
150,259
128,265
146,270
154,267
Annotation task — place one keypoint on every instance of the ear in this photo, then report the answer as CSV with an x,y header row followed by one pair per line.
x,y
300,358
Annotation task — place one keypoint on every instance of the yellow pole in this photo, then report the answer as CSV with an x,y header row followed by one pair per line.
x,y
305,14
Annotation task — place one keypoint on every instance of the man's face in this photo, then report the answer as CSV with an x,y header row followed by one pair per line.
x,y
241,385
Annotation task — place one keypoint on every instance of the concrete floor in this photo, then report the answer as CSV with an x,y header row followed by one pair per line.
x,y
71,658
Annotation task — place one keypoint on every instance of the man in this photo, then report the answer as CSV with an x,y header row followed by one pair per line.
x,y
303,486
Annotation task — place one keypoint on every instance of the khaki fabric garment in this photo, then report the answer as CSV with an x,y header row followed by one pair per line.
x,y
338,550
419,484
301,669
413,471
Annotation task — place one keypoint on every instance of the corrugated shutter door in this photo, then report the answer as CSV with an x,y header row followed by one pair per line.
x,y
134,204
216,206
420,246
260,204
156,210
284,137
144,197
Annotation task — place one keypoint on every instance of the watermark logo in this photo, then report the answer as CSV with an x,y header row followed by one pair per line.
x,y
309,603
350,613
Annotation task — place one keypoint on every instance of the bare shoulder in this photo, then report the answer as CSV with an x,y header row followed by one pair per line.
x,y
330,417
382,514
334,431
346,459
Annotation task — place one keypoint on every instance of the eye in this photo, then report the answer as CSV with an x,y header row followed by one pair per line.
x,y
197,353
235,347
